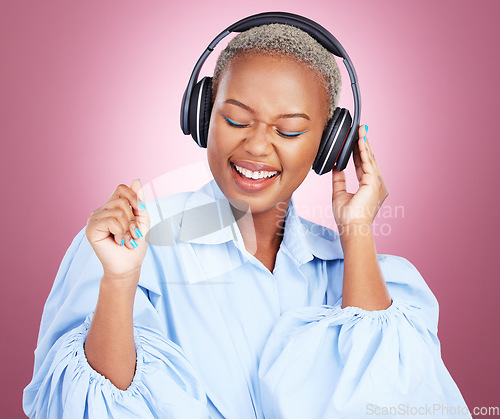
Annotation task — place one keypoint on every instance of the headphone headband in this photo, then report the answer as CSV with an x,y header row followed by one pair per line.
x,y
318,32
314,29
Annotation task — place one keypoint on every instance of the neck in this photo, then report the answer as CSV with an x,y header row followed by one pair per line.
x,y
262,232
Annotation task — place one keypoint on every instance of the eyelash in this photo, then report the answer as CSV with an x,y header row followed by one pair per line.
x,y
282,134
233,124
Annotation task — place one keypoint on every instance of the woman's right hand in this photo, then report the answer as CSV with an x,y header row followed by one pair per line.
x,y
115,223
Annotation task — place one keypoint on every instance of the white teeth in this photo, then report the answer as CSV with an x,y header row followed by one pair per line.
x,y
261,174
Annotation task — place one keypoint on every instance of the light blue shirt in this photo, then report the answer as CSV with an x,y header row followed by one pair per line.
x,y
218,335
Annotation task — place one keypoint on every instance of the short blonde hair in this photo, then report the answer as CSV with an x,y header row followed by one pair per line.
x,y
284,40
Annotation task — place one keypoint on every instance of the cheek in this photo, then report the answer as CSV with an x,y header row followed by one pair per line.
x,y
218,147
301,158
213,140
314,145
212,156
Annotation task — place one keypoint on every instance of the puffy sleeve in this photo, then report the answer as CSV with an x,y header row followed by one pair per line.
x,y
329,362
64,385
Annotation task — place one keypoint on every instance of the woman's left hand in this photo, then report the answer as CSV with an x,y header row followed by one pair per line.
x,y
362,207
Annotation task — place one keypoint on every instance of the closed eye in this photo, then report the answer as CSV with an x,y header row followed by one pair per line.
x,y
282,134
234,124
291,135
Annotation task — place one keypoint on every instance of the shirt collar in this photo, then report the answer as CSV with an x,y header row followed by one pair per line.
x,y
306,240
207,219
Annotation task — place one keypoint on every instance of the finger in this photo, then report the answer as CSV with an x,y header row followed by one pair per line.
x,y
121,203
338,183
356,155
368,146
112,226
129,240
372,156
142,213
123,191
363,133
129,200
121,237
127,217
363,145
384,192
119,215
136,187
366,160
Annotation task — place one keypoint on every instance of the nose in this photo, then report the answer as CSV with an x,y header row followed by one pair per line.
x,y
258,141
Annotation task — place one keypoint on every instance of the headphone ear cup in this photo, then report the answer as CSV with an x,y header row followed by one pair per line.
x,y
332,141
200,109
324,140
346,151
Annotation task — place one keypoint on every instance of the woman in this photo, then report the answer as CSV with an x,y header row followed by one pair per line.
x,y
262,314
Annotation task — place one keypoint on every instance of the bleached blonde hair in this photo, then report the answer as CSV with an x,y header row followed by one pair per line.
x,y
279,39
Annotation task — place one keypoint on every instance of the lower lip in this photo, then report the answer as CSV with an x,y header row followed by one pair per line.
x,y
252,185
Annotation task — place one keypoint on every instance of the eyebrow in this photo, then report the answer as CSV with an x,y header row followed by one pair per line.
x,y
249,109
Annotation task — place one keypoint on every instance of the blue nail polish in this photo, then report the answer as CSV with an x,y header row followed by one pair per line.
x,y
364,138
366,128
123,242
138,232
142,206
133,243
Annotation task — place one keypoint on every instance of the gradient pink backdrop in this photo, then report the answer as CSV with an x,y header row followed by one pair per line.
x,y
90,95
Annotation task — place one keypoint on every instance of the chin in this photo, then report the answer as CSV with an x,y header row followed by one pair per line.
x,y
256,195
258,204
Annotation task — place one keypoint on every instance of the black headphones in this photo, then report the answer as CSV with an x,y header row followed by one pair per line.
x,y
338,138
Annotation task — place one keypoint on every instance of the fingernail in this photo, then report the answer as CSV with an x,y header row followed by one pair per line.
x,y
133,243
138,232
123,242
366,128
142,206
364,137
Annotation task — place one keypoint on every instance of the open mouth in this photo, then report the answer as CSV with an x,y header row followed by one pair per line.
x,y
259,175
253,181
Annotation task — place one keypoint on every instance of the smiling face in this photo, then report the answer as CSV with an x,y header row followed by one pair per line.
x,y
265,129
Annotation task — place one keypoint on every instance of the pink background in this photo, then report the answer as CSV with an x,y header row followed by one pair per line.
x,y
90,95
